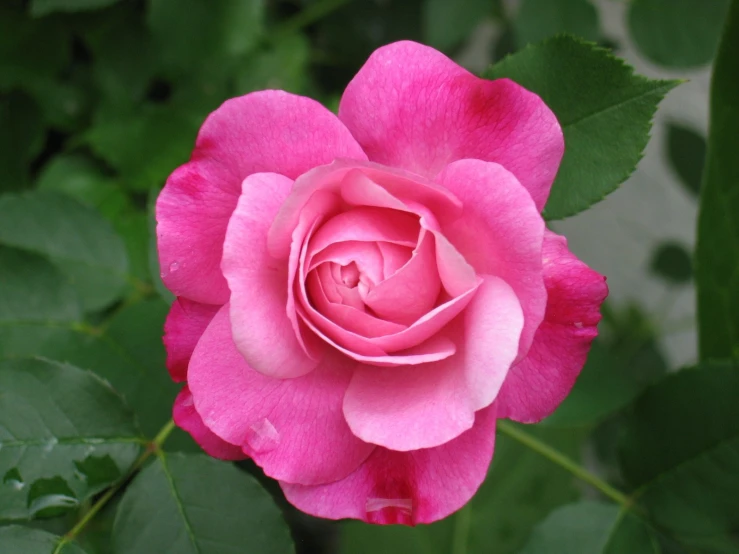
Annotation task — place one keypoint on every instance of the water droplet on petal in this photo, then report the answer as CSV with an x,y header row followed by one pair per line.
x,y
579,324
263,436
174,266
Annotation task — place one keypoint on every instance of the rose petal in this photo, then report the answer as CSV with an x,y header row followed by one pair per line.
x,y
292,428
394,256
266,131
412,107
421,486
262,331
428,325
405,187
500,233
406,408
367,256
457,276
347,317
187,418
536,386
367,224
410,292
185,323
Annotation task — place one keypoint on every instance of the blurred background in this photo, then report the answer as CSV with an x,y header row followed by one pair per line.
x,y
101,99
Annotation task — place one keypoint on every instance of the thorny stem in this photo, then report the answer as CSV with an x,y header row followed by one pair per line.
x,y
151,448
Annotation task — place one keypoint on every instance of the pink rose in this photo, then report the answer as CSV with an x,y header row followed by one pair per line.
x,y
361,297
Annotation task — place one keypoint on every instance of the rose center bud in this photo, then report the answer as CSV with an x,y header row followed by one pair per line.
x,y
376,278
350,275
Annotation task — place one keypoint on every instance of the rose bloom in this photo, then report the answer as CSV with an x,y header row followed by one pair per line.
x,y
360,297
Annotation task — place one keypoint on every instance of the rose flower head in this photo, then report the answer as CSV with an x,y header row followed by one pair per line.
x,y
361,296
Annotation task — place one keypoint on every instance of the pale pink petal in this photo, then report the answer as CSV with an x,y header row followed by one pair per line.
x,y
367,224
401,185
415,487
266,131
319,206
347,317
500,233
535,387
457,276
293,428
185,324
367,256
429,324
407,408
187,418
394,256
262,331
431,350
421,407
412,291
492,326
412,107
359,347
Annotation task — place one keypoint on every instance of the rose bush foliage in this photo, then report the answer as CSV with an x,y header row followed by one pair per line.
x,y
361,297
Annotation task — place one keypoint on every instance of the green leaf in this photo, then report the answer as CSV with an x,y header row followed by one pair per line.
x,y
75,238
34,289
23,540
521,488
84,180
283,66
125,60
45,7
591,528
448,24
717,243
193,35
540,19
32,53
64,436
672,262
127,352
21,138
193,504
610,380
677,33
686,150
144,144
604,109
680,445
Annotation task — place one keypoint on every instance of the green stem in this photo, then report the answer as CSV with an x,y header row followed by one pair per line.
x,y
152,447
560,459
462,522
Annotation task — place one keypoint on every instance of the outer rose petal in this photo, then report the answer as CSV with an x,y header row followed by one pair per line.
x,y
535,387
412,107
266,131
292,428
500,233
421,486
407,408
185,324
187,418
262,331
